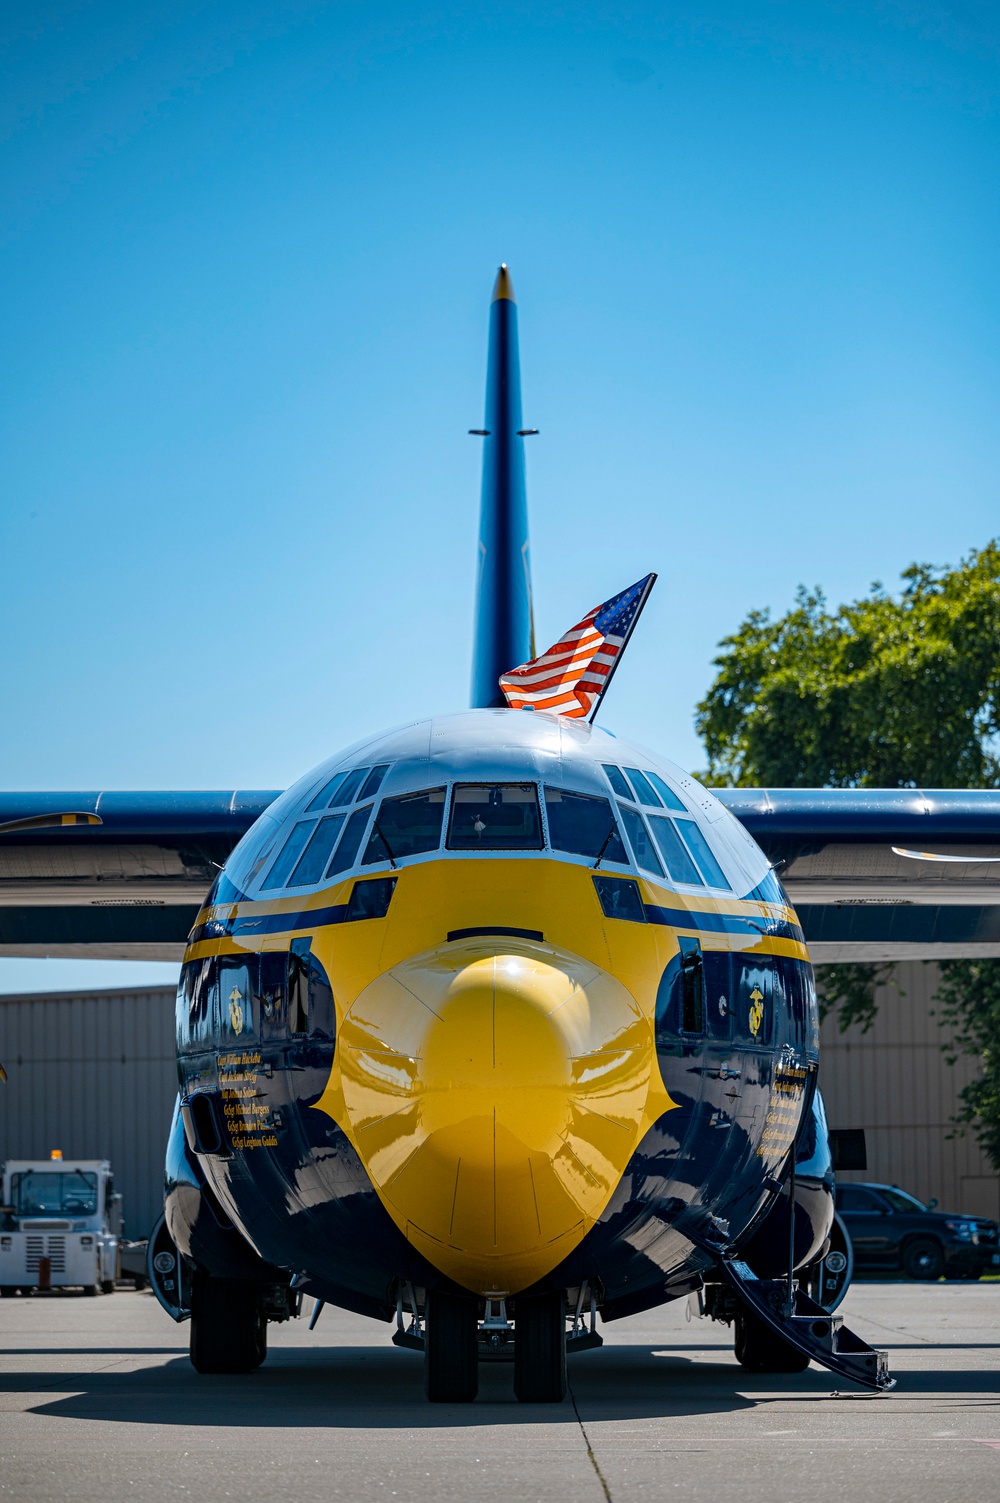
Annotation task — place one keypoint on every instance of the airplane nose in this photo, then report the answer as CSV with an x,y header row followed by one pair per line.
x,y
495,1097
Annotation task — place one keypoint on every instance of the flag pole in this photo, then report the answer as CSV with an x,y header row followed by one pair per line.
x,y
650,582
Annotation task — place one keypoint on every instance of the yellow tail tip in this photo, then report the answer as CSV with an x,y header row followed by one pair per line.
x,y
503,286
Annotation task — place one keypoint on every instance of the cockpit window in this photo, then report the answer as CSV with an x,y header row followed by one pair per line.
x,y
495,817
680,867
289,854
373,781
344,787
583,825
666,793
617,781
346,853
406,826
326,795
645,793
702,853
638,838
309,868
348,790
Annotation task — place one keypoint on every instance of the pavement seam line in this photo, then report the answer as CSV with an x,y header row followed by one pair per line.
x,y
590,1450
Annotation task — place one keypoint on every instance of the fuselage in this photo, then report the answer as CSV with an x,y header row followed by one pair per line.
x,y
495,1001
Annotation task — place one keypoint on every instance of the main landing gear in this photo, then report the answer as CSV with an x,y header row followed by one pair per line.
x,y
453,1343
451,1354
228,1325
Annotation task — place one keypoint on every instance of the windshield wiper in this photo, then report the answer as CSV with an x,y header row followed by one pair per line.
x,y
388,848
607,841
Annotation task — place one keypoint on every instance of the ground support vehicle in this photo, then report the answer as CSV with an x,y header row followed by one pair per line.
x,y
60,1226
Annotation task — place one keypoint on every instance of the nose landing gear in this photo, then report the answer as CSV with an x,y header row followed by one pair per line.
x,y
454,1341
540,1348
451,1356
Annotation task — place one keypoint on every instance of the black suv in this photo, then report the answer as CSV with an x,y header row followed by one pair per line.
x,y
890,1229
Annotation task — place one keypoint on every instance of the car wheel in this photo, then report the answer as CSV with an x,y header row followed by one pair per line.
x,y
923,1259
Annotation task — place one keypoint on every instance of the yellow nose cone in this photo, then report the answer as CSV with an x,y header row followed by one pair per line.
x,y
495,1100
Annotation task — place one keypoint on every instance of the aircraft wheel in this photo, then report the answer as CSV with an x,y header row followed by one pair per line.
x,y
761,1350
228,1326
451,1354
540,1349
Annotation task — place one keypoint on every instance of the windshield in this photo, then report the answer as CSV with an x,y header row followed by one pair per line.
x,y
495,817
900,1201
37,1192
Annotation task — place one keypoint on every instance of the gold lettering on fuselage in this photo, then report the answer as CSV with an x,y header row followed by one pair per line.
x,y
247,1116
784,1112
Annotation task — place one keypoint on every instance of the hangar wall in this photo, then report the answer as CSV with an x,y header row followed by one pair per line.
x,y
894,1082
92,1073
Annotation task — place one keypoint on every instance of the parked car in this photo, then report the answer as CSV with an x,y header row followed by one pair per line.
x,y
891,1229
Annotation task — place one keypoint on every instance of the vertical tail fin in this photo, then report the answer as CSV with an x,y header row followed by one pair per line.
x,y
505,633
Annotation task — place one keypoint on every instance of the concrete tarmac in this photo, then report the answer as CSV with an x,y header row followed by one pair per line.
x,y
100,1405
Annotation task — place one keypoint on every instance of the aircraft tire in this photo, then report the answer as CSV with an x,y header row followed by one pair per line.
x,y
228,1327
451,1354
761,1350
540,1349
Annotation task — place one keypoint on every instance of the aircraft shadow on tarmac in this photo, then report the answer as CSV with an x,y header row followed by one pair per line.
x,y
362,1387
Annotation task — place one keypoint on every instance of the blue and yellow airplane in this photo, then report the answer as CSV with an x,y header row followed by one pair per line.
x,y
498,1022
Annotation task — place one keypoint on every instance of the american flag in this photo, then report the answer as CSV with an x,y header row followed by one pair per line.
x,y
570,679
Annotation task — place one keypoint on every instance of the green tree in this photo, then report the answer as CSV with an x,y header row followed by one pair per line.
x,y
889,691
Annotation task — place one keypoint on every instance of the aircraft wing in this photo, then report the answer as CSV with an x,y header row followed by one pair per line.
x,y
883,873
875,874
113,876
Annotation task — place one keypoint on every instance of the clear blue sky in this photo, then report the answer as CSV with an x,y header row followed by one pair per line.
x,y
247,250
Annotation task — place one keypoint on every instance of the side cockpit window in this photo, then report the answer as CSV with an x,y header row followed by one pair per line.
x,y
701,851
305,858
645,793
583,825
680,866
617,781
638,838
687,856
346,853
344,787
289,855
495,817
406,826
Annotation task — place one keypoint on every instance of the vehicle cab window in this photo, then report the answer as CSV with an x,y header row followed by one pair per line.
x,y
495,817
907,1205
856,1200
